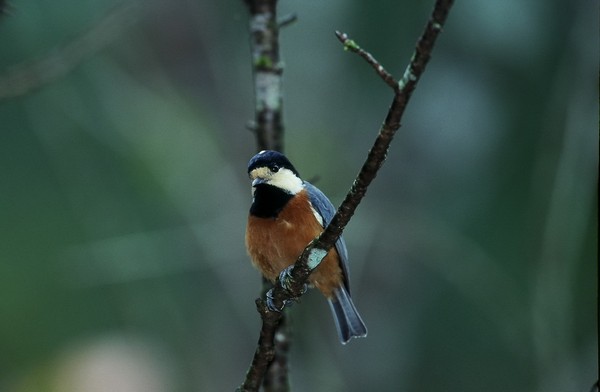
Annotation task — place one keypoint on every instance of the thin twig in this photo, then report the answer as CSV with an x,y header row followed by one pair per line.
x,y
318,248
353,47
287,20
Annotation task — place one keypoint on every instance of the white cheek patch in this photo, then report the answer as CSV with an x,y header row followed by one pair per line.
x,y
285,179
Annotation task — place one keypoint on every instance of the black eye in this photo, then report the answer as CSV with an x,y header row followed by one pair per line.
x,y
274,168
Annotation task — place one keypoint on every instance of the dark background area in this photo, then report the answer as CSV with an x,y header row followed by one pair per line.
x,y
123,196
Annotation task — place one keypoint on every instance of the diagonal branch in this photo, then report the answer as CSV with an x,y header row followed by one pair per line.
x,y
314,253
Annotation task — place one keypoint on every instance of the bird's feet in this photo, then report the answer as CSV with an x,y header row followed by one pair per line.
x,y
285,279
271,302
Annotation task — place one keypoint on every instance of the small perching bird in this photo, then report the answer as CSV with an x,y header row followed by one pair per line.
x,y
287,213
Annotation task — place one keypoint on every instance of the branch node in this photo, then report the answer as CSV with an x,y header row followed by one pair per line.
x,y
349,44
352,46
407,77
315,257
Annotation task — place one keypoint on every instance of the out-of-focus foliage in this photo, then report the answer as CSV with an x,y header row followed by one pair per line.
x,y
123,196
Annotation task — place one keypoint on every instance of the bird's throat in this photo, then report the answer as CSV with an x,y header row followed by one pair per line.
x,y
268,201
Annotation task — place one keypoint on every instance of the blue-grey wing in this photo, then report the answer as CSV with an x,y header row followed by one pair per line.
x,y
325,208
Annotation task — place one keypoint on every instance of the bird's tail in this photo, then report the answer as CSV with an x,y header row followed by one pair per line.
x,y
347,320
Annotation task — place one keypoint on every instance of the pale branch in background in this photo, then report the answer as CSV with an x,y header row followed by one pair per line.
x,y
269,367
22,79
267,70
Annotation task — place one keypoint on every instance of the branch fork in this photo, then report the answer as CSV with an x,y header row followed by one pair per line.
x,y
292,286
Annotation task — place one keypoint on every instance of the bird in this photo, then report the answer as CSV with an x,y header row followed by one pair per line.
x,y
285,215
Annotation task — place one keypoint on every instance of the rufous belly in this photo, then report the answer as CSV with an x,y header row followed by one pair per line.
x,y
275,243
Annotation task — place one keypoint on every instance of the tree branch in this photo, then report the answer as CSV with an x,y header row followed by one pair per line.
x,y
314,253
270,364
267,69
353,47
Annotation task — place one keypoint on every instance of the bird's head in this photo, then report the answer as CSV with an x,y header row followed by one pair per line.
x,y
273,168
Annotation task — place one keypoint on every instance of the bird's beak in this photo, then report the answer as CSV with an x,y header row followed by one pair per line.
x,y
258,181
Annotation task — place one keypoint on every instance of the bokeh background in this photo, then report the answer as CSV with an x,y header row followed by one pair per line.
x,y
123,196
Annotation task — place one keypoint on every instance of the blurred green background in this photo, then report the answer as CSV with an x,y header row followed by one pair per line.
x,y
123,196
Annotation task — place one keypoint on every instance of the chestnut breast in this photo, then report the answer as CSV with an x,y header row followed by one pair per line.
x,y
275,243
